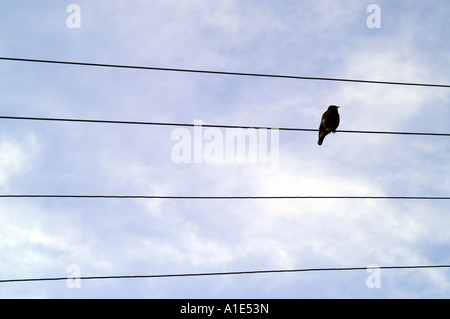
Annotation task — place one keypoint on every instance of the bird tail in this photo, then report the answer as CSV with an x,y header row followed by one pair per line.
x,y
322,136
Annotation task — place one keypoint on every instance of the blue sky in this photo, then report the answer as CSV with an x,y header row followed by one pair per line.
x,y
41,237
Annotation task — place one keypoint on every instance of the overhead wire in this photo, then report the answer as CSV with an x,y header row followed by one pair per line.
x,y
228,273
220,197
103,121
221,72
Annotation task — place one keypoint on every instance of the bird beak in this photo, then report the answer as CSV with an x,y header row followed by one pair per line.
x,y
338,106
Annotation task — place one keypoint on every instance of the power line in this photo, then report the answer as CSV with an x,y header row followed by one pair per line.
x,y
75,120
220,197
225,273
223,72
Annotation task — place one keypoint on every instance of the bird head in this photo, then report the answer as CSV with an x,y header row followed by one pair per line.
x,y
333,107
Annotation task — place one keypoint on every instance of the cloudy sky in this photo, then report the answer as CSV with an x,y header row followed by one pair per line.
x,y
42,237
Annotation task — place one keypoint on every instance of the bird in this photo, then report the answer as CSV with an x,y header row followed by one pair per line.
x,y
329,122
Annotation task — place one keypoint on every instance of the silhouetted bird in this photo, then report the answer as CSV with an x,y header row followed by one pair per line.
x,y
329,123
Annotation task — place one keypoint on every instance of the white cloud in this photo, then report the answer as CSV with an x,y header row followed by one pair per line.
x,y
16,158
